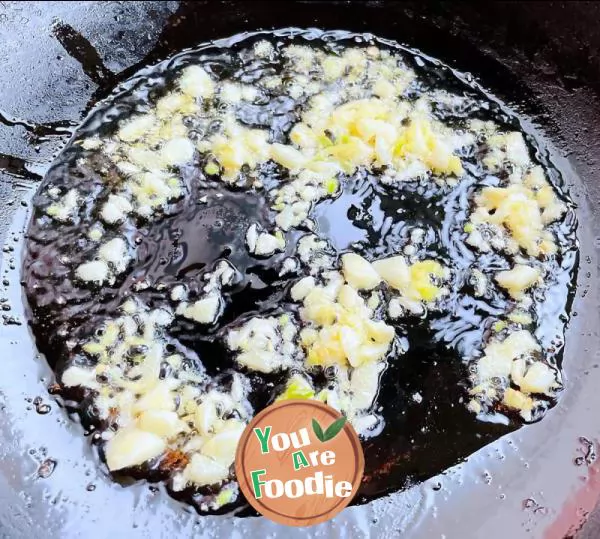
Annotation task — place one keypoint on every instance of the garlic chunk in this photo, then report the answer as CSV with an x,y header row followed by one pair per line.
x,y
115,253
196,82
301,289
132,447
64,209
95,271
79,376
222,446
358,272
519,401
264,344
262,243
203,470
177,151
204,311
394,271
539,379
160,397
517,280
162,423
134,129
498,356
205,416
115,209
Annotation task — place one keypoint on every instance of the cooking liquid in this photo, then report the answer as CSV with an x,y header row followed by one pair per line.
x,y
423,393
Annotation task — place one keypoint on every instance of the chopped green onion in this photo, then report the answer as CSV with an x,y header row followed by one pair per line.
x,y
297,388
331,185
224,497
211,168
499,326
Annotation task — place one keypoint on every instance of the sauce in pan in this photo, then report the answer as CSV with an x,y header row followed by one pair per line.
x,y
291,218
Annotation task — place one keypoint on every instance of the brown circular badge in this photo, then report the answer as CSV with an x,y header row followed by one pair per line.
x,y
299,462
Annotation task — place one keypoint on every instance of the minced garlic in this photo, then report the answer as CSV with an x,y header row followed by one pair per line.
x,y
514,360
350,115
517,280
264,344
154,413
64,209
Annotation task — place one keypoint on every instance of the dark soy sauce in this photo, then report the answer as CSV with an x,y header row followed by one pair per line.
x,y
423,392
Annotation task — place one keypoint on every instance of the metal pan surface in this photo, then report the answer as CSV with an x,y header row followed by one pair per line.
x,y
59,59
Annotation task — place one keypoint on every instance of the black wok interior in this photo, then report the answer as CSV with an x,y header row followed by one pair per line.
x,y
58,59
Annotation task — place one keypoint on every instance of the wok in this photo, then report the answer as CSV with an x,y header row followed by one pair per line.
x,y
59,58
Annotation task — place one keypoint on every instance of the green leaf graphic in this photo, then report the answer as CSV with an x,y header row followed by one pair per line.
x,y
333,429
318,430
